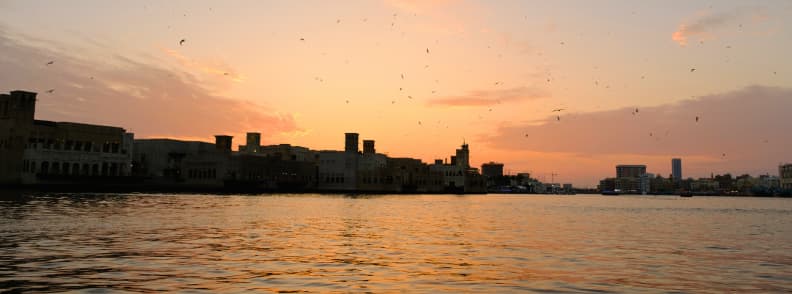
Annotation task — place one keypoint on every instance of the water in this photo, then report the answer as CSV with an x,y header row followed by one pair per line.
x,y
423,243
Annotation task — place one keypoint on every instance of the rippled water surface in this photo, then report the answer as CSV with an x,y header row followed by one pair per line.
x,y
422,243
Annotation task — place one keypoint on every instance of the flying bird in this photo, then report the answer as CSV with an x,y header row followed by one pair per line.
x,y
402,76
558,110
558,118
408,96
50,90
419,123
302,39
636,110
347,102
427,50
51,62
181,42
692,69
697,118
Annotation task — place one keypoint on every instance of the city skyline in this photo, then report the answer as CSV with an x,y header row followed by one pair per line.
x,y
704,82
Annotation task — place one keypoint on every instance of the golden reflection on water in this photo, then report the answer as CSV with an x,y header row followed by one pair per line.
x,y
423,243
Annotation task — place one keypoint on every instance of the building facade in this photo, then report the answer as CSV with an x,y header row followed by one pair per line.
x,y
785,176
47,152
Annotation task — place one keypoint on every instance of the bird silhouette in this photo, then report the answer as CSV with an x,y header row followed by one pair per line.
x,y
697,119
347,102
402,76
558,110
51,62
302,39
50,90
558,118
408,96
427,50
181,42
692,69
636,110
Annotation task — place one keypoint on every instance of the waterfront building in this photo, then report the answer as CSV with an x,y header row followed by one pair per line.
x,y
785,176
492,169
252,144
631,178
47,152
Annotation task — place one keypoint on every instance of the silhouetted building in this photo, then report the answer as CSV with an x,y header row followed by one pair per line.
x,y
223,143
492,169
676,169
16,120
631,178
368,147
458,176
607,185
630,171
47,152
252,144
351,142
785,176
173,163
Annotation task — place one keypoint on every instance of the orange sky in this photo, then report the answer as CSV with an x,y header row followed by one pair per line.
x,y
422,76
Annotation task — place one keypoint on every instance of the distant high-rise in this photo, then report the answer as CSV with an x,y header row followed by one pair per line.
x,y
676,169
351,143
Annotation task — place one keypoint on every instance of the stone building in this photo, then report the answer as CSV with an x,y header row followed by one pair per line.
x,y
48,152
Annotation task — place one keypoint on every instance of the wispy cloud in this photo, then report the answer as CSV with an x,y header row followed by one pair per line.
x,y
490,97
706,25
139,94
204,67
740,130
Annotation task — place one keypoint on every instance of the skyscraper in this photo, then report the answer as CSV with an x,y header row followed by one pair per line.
x,y
676,169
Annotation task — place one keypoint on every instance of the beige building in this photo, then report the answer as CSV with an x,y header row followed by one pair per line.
x,y
48,152
785,176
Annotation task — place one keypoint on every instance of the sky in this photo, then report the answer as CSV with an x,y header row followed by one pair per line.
x,y
564,90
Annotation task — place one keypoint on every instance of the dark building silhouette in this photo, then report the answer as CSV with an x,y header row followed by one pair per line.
x,y
48,152
223,142
253,142
492,169
368,147
351,142
16,120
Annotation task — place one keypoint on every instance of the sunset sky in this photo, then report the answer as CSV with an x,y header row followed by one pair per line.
x,y
419,77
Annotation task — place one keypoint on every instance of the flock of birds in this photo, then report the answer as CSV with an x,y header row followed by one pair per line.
x,y
183,41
